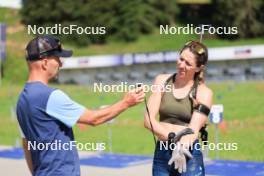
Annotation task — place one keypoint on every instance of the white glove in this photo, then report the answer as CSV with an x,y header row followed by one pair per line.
x,y
179,157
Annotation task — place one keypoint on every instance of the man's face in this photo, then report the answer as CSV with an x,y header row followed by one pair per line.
x,y
53,64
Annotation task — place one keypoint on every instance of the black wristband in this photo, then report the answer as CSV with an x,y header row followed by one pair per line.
x,y
171,137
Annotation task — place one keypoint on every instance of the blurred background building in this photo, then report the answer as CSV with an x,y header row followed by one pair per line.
x,y
238,63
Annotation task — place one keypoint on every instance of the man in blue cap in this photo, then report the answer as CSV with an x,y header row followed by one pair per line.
x,y
46,115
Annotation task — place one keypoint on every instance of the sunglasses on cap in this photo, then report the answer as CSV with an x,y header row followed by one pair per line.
x,y
45,46
195,46
46,49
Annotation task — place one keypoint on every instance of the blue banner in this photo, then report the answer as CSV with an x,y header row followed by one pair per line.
x,y
144,58
3,42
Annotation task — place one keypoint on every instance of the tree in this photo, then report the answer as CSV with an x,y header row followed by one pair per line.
x,y
123,19
242,14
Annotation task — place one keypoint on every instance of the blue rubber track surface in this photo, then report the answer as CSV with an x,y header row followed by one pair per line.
x,y
214,167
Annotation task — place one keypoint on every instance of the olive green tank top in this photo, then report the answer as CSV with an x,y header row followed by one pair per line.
x,y
173,110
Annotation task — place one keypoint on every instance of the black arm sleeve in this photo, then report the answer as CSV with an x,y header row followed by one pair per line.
x,y
202,109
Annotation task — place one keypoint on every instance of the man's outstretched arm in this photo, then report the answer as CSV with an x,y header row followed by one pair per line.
x,y
100,116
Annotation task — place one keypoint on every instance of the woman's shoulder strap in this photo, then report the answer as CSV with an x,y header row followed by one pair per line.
x,y
172,77
194,89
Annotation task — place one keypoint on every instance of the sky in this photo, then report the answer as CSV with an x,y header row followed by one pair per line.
x,y
16,4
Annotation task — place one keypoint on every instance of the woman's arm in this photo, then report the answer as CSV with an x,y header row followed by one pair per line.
x,y
205,97
153,105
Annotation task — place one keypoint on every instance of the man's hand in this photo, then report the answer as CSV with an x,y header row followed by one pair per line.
x,y
179,157
134,97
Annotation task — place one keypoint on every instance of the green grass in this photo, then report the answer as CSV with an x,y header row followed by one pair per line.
x,y
244,120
